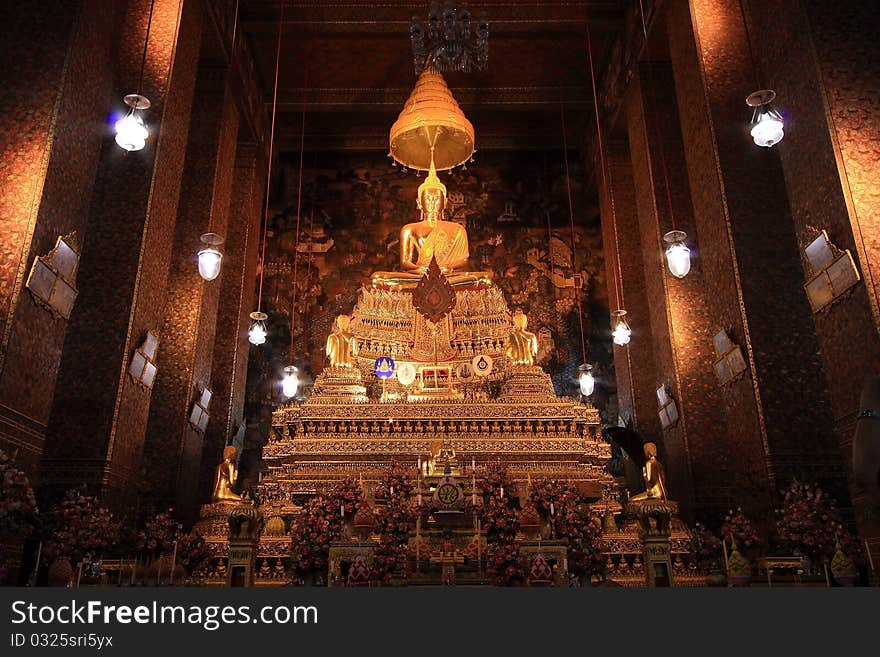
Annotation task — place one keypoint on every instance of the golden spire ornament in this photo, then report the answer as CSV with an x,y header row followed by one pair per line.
x,y
431,124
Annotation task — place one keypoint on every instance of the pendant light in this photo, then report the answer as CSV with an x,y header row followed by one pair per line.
x,y
210,256
131,133
767,124
620,330
257,332
586,380
290,381
678,255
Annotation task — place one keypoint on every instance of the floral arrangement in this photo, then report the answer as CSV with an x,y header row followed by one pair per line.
x,y
574,523
738,527
706,550
320,522
396,519
500,522
159,535
18,507
809,524
78,526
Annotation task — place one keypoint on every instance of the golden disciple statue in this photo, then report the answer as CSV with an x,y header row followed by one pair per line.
x,y
655,479
227,475
446,241
522,346
341,345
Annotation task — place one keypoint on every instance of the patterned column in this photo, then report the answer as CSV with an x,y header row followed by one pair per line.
x,y
99,415
682,318
237,300
750,259
174,441
55,101
823,58
634,364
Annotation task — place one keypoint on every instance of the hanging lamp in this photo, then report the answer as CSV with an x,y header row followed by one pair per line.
x,y
767,124
678,255
131,133
210,256
586,381
621,331
257,332
290,382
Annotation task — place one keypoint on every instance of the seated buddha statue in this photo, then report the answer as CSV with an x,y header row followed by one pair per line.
x,y
522,345
341,345
654,476
432,237
225,478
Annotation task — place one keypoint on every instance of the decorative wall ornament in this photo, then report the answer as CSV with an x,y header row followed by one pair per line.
x,y
198,418
668,410
143,363
434,297
52,279
833,272
731,364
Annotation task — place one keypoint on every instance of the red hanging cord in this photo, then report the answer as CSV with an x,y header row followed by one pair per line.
x,y
577,296
271,149
656,120
302,143
618,293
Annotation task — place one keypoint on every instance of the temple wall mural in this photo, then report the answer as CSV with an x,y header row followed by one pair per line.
x,y
515,208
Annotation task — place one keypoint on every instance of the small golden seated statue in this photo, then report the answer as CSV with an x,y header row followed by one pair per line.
x,y
341,345
522,346
655,478
227,475
446,241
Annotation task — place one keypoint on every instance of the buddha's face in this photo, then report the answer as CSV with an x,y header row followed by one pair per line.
x,y
520,320
650,450
433,202
342,322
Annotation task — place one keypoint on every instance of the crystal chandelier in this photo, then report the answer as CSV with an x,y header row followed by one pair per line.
x,y
447,42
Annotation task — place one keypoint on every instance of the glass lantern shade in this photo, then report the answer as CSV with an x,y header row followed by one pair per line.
x,y
678,255
767,123
131,133
257,332
210,257
290,381
585,380
621,331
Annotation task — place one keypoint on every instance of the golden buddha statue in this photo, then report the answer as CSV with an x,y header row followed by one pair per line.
x,y
341,345
227,474
522,345
655,478
432,237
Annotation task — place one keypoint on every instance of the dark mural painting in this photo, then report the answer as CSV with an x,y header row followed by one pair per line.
x,y
516,210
